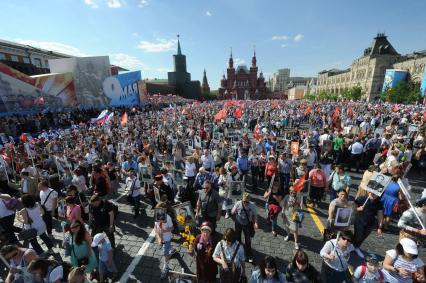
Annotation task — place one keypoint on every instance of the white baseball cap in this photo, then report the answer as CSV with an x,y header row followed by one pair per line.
x,y
97,239
409,246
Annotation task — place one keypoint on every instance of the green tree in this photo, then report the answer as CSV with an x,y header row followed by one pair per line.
x,y
354,93
402,93
310,96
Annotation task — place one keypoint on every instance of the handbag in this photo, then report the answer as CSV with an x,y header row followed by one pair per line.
x,y
80,261
233,274
28,234
250,223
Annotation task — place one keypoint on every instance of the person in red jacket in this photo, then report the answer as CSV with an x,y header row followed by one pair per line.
x,y
270,169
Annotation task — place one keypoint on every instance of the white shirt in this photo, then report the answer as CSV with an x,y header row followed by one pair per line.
x,y
167,236
207,161
189,169
411,266
49,201
356,148
134,189
330,247
323,138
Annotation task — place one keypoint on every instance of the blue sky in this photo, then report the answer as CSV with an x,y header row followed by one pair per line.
x,y
306,36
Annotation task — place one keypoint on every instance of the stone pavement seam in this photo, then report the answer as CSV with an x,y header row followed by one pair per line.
x,y
138,257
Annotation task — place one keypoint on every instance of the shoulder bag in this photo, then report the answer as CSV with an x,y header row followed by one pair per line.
x,y
250,223
233,272
129,197
28,234
43,208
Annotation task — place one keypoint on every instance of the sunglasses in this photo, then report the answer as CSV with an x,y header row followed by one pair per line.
x,y
346,239
75,227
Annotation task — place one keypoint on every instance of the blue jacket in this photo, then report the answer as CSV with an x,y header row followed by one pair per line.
x,y
243,163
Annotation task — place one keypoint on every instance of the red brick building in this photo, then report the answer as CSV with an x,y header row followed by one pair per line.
x,y
242,83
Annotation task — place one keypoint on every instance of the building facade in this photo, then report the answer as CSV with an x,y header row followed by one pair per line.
x,y
181,79
280,80
242,83
27,59
368,71
297,92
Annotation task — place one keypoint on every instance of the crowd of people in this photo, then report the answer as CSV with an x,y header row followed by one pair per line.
x,y
293,154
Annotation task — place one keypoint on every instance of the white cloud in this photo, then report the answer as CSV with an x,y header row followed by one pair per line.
x,y
161,45
299,37
143,3
239,61
92,3
115,3
127,61
135,34
208,13
284,45
279,37
53,46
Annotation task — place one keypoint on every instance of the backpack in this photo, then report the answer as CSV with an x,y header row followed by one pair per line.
x,y
364,270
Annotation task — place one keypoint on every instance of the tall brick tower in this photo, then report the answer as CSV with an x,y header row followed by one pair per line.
x,y
205,88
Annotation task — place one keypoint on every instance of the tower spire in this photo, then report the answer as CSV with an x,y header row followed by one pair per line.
x,y
231,61
179,52
253,60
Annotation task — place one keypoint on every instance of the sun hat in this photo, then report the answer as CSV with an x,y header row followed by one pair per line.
x,y
97,239
206,226
409,246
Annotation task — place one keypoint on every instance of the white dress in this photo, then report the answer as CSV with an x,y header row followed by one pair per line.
x,y
38,223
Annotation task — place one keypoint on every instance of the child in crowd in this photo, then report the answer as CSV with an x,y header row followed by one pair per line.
x,y
107,265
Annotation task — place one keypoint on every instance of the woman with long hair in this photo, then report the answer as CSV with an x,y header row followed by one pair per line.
x,y
48,271
81,247
268,272
19,259
31,217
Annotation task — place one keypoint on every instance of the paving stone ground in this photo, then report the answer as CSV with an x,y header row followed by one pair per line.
x,y
133,233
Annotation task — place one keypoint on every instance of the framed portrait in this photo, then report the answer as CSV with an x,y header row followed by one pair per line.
x,y
236,139
178,176
146,174
343,216
190,144
160,215
197,141
184,209
378,183
156,193
180,277
120,147
294,148
327,145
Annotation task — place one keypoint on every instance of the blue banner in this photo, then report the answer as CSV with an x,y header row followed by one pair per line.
x,y
423,86
392,78
122,89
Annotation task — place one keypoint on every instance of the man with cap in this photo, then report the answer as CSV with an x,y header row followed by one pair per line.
x,y
102,217
245,216
209,205
106,262
409,223
369,271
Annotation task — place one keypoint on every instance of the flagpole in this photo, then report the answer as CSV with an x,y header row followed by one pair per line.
x,y
404,190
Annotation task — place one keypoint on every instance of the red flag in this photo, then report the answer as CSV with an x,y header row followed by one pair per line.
x,y
424,115
123,121
256,134
350,112
308,110
220,115
300,184
336,113
238,113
